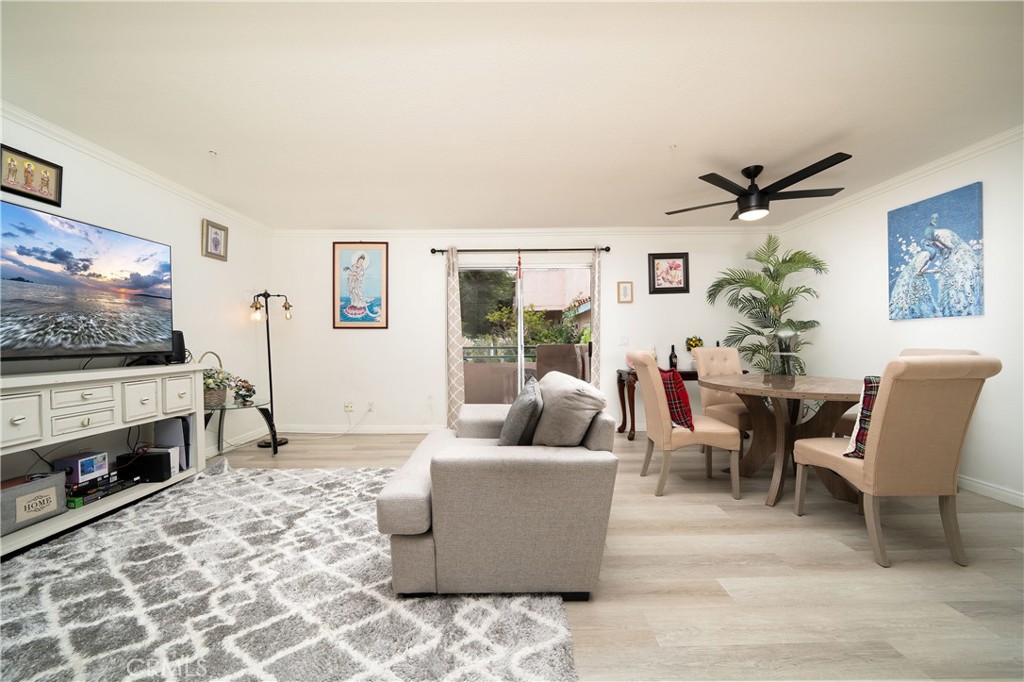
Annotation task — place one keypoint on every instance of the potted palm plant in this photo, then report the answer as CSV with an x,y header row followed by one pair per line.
x,y
769,339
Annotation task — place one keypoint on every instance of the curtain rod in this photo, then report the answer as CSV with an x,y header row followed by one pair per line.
x,y
599,248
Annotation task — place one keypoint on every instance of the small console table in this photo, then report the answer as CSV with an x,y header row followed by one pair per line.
x,y
261,407
626,381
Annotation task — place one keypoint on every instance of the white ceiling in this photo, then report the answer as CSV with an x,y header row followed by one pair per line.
x,y
487,115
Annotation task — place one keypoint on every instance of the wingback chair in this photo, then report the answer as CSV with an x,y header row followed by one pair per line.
x,y
722,405
915,440
661,432
848,422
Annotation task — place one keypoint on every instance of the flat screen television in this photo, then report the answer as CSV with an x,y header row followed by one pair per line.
x,y
71,289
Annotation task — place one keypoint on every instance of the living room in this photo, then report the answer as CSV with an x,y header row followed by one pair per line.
x,y
400,370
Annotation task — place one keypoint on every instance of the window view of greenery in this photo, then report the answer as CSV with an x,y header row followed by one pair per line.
x,y
490,324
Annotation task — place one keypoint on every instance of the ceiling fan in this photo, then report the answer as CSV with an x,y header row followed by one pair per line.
x,y
752,202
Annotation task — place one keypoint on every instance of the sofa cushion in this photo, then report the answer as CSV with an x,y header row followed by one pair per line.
x,y
481,420
521,421
859,437
678,398
569,406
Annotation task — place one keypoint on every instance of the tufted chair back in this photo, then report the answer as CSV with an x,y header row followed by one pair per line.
x,y
714,362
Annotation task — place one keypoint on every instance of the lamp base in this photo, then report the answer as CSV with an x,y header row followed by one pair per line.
x,y
269,444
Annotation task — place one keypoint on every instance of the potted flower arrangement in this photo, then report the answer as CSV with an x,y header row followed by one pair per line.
x,y
691,343
215,386
244,391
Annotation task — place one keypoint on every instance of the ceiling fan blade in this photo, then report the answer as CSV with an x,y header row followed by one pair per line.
x,y
813,169
735,215
694,208
806,193
724,183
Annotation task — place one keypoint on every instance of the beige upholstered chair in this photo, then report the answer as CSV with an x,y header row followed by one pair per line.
x,y
722,405
915,441
661,432
848,422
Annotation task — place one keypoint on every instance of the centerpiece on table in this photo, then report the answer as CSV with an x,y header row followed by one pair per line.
x,y
215,386
244,391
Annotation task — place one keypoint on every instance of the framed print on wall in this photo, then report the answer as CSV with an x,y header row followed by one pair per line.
x,y
32,177
360,285
668,273
936,257
215,240
625,292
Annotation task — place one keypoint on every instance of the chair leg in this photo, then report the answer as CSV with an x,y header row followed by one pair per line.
x,y
947,510
801,489
874,524
647,457
666,463
707,460
734,472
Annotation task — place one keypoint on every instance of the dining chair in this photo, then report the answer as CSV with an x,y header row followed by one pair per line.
x,y
661,432
722,405
914,443
848,422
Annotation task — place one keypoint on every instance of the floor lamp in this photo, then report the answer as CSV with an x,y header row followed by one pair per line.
x,y
257,306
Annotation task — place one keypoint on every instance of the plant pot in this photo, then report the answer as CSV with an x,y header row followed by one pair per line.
x,y
214,397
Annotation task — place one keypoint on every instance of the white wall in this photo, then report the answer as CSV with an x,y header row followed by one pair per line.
x,y
209,296
401,369
857,337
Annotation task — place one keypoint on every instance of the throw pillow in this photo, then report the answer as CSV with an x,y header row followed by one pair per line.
x,y
859,437
678,398
569,406
521,420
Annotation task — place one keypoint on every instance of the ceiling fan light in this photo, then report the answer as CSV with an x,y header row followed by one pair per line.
x,y
752,214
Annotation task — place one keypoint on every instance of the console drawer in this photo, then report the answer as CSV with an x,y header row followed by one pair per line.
x,y
22,419
82,421
81,395
140,400
179,394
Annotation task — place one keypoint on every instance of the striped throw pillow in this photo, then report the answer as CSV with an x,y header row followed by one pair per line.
x,y
859,437
678,399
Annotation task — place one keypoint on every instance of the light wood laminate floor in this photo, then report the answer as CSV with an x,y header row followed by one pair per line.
x,y
698,586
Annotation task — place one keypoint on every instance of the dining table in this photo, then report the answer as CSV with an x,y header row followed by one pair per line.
x,y
776,423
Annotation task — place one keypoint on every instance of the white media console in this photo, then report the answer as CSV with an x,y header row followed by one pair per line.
x,y
40,411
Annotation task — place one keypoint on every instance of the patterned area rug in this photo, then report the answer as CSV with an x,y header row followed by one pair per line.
x,y
258,574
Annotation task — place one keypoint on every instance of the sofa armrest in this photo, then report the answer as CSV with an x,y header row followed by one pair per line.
x,y
481,421
520,518
601,433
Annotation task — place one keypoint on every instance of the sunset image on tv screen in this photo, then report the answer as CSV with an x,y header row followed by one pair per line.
x,y
70,288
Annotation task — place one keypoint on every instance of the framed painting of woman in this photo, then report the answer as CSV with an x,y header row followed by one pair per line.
x,y
360,276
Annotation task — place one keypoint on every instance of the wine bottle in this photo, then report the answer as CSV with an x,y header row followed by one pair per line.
x,y
672,359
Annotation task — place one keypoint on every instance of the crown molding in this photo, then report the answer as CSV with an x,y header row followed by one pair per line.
x,y
41,126
1011,136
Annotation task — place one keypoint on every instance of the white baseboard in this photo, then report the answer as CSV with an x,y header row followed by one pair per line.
x,y
235,441
360,428
1014,497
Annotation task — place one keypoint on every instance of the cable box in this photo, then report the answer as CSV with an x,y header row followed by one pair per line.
x,y
98,492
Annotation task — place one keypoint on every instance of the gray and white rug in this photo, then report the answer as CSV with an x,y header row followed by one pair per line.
x,y
257,574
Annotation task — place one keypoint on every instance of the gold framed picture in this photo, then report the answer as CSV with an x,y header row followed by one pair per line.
x,y
215,240
624,292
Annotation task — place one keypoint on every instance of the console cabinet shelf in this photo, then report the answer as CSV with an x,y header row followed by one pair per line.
x,y
44,410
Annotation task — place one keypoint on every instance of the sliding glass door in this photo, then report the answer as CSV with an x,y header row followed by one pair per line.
x,y
507,312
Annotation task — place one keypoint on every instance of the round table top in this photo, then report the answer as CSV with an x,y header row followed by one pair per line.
x,y
238,405
783,386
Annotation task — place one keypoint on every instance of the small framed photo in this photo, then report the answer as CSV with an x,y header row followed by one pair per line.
x,y
215,240
32,177
360,285
668,273
624,292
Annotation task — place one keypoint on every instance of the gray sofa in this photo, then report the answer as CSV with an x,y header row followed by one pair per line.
x,y
467,515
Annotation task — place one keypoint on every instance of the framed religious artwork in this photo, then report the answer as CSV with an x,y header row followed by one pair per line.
x,y
360,275
668,273
32,177
215,240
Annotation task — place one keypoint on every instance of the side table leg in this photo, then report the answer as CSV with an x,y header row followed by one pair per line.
x,y
620,381
220,432
631,397
268,417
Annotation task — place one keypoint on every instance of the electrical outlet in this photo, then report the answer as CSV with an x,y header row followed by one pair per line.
x,y
370,407
349,406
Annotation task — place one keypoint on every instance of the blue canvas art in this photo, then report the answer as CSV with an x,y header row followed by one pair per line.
x,y
936,257
360,284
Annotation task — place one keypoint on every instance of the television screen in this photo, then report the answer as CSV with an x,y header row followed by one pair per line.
x,y
68,288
